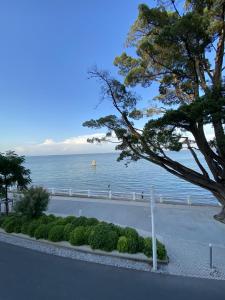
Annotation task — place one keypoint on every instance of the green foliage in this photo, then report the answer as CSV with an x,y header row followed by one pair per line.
x,y
70,219
56,233
91,222
132,239
67,231
12,172
32,227
141,244
99,235
122,245
33,202
80,221
181,50
148,247
24,227
161,251
78,236
103,237
42,231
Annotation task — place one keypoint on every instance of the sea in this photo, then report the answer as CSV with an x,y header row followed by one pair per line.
x,y
76,172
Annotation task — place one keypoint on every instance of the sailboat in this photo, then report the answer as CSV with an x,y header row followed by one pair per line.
x,y
93,163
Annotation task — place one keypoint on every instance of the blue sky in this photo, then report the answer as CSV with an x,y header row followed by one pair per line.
x,y
47,46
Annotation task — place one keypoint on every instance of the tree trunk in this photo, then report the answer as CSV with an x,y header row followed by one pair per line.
x,y
221,215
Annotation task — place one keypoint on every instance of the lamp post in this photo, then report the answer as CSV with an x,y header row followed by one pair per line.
x,y
154,247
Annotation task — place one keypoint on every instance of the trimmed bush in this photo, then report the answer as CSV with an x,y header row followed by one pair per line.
x,y
92,222
148,247
2,219
9,226
70,219
32,227
141,243
24,228
132,239
56,233
161,251
78,236
60,221
122,245
80,221
33,202
103,237
67,231
42,231
44,219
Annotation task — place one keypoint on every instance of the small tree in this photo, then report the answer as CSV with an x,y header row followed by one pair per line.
x,y
12,172
33,202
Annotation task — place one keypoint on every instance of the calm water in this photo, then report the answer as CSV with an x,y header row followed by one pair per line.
x,y
76,172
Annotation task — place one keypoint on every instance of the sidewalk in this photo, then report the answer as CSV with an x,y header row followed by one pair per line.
x,y
185,230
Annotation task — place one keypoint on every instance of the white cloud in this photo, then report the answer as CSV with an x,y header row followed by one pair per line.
x,y
72,145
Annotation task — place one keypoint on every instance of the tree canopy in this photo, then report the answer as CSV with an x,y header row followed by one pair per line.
x,y
12,172
181,50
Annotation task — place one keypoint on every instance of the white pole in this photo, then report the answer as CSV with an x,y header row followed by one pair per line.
x,y
154,249
134,196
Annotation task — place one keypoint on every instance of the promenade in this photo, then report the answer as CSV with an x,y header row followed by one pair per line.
x,y
185,230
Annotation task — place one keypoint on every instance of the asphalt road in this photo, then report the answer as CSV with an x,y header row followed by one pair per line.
x,y
30,275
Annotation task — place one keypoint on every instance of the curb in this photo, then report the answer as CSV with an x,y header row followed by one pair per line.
x,y
84,253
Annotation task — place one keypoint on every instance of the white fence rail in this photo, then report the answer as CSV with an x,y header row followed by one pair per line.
x,y
132,196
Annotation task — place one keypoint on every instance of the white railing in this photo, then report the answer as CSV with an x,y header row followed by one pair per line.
x,y
132,196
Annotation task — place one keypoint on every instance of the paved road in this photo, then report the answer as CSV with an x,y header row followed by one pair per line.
x,y
26,275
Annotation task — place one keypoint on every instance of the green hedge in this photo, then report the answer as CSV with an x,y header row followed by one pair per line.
x,y
56,233
82,231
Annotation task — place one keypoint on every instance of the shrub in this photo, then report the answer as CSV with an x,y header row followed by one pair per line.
x,y
33,202
32,227
161,251
24,228
122,245
141,244
67,231
44,219
56,233
80,221
2,219
41,232
92,222
103,237
78,236
132,239
148,247
9,226
70,219
88,230
60,221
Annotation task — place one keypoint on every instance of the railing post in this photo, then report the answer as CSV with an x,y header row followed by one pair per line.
x,y
110,194
210,256
89,193
70,192
134,196
53,191
189,200
154,246
161,199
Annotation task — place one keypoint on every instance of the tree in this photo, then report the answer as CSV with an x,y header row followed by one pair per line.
x,y
182,53
12,172
33,202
